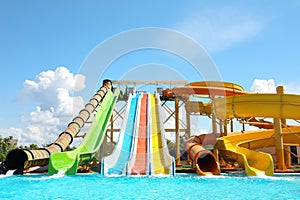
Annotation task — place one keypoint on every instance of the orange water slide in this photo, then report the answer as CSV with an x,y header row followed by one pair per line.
x,y
205,161
140,163
206,88
261,123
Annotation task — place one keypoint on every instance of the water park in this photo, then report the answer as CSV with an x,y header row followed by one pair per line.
x,y
140,161
150,100
141,147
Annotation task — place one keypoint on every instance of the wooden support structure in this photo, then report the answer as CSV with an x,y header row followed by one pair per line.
x,y
188,124
287,156
231,125
278,138
225,127
214,125
177,132
279,144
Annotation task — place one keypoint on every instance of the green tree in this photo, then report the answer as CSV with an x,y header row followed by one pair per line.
x,y
70,148
33,147
6,144
30,147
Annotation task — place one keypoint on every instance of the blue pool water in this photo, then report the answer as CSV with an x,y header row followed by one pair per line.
x,y
95,186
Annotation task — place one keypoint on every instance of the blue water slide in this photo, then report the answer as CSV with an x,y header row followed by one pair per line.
x,y
115,163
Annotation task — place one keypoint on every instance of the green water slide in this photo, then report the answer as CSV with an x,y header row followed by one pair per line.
x,y
69,161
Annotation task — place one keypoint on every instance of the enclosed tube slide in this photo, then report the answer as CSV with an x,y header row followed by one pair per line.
x,y
70,160
22,159
204,160
115,164
160,160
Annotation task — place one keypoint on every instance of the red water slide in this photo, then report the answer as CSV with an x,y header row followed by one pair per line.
x,y
140,162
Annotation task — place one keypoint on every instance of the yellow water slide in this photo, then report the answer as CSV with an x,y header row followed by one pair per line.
x,y
160,160
240,147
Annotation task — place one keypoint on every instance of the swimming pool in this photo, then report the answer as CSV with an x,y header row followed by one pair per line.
x,y
96,186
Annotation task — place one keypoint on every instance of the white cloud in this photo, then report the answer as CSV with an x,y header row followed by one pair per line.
x,y
269,86
263,86
45,117
51,90
218,28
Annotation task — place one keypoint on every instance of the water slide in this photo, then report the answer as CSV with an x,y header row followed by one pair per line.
x,y
69,161
115,164
141,148
205,88
205,161
138,162
23,159
241,147
160,160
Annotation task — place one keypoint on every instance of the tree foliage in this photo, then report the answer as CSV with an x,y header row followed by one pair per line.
x,y
30,147
6,144
70,148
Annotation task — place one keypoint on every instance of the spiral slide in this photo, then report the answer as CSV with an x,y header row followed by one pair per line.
x,y
69,161
241,147
115,163
22,159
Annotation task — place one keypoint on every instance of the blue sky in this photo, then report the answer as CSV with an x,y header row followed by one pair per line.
x,y
247,40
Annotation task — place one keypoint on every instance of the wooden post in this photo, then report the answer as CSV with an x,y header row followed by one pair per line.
x,y
188,124
225,127
279,144
221,127
278,138
213,117
188,132
231,125
214,124
177,132
287,156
